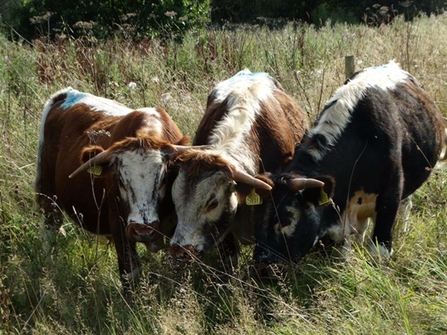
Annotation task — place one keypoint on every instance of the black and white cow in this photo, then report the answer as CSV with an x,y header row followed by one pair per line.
x,y
375,143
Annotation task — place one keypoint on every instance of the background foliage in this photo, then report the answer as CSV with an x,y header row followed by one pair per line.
x,y
138,19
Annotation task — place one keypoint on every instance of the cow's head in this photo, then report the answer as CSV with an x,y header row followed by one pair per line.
x,y
206,194
290,220
138,174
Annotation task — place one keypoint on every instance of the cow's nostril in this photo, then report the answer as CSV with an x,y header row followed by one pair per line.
x,y
187,253
138,232
173,249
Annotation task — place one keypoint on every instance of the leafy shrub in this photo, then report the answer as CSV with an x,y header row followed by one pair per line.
x,y
132,19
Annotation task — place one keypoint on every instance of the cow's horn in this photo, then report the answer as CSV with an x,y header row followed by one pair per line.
x,y
182,148
99,159
240,176
301,183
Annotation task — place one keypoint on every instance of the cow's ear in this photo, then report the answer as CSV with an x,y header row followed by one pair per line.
x,y
97,171
251,195
185,140
89,152
329,185
320,196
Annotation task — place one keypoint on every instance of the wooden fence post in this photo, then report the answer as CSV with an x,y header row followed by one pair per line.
x,y
349,66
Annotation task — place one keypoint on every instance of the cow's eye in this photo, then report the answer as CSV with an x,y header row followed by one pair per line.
x,y
162,182
212,204
232,187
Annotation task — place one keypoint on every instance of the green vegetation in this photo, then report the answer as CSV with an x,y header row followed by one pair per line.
x,y
132,19
170,19
78,291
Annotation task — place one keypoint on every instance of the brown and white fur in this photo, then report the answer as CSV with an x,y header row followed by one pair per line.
x,y
250,126
128,152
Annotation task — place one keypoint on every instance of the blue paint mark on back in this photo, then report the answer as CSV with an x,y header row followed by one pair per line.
x,y
73,97
242,81
245,75
248,73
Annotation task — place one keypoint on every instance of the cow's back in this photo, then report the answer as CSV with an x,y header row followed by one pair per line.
x,y
282,127
424,125
279,124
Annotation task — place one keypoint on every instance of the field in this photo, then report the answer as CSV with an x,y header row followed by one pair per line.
x,y
79,292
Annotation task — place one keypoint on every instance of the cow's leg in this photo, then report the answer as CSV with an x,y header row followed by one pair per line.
x,y
49,228
354,233
386,212
404,212
229,250
128,260
48,203
46,198
128,263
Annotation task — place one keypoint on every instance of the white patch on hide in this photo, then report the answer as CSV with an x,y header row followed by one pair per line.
x,y
341,105
246,92
354,220
109,107
153,124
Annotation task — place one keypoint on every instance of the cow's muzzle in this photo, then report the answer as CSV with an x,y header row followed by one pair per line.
x,y
187,253
138,232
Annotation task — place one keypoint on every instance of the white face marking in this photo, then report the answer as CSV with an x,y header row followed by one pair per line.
x,y
290,228
342,103
313,215
141,175
201,208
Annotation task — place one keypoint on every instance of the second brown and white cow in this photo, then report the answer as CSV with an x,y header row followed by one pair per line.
x,y
250,126
128,152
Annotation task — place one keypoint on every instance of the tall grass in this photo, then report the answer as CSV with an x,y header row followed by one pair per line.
x,y
78,291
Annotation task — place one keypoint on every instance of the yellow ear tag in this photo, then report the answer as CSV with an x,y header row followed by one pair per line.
x,y
95,170
253,198
324,199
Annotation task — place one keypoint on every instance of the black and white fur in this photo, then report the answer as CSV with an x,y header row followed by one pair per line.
x,y
375,143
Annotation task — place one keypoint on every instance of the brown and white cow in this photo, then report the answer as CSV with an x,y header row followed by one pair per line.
x,y
128,152
375,143
250,126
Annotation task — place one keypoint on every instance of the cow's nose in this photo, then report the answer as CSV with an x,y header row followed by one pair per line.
x,y
187,253
138,232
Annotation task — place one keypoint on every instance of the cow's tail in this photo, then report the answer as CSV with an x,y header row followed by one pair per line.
x,y
443,155
442,161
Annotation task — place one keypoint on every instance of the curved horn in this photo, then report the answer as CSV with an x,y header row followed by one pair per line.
x,y
240,176
179,149
99,159
183,148
297,184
